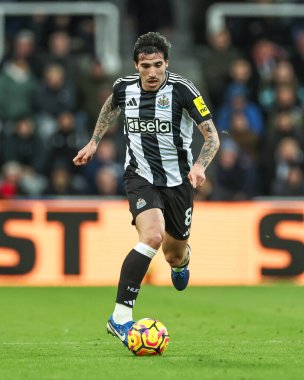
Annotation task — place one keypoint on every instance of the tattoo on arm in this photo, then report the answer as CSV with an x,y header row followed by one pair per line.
x,y
107,116
211,143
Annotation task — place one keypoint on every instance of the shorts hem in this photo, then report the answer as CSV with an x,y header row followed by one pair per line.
x,y
174,236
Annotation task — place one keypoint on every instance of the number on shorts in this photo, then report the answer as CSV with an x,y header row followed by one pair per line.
x,y
188,215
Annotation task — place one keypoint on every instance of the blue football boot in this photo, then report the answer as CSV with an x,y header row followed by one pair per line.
x,y
180,279
120,331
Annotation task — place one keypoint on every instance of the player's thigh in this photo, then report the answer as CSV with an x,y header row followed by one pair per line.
x,y
150,225
178,202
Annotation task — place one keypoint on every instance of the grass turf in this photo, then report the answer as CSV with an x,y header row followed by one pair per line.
x,y
216,333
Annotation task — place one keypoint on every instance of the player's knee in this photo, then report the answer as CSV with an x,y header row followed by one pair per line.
x,y
174,257
154,239
173,260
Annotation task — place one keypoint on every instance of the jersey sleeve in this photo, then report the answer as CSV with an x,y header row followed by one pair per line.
x,y
115,97
195,104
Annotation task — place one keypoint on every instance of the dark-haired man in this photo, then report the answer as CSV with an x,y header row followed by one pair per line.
x,y
158,108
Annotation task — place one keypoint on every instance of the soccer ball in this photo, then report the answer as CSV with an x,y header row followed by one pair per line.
x,y
148,337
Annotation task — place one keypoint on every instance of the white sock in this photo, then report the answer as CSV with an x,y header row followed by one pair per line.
x,y
145,250
122,314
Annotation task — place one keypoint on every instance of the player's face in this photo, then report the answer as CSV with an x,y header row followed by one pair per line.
x,y
152,70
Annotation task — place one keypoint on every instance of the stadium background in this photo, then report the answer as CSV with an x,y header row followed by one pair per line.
x,y
60,223
63,226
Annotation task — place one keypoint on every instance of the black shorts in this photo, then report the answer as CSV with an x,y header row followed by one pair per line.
x,y
175,202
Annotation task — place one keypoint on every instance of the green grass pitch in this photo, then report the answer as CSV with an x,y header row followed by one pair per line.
x,y
216,333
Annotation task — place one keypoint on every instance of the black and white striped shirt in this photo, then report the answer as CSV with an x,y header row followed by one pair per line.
x,y
158,126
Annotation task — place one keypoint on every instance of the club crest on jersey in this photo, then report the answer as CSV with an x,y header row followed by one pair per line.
x,y
140,203
163,102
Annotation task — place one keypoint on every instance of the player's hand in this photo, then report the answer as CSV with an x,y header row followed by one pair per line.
x,y
85,154
197,176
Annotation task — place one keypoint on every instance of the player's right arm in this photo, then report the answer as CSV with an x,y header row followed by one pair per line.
x,y
107,116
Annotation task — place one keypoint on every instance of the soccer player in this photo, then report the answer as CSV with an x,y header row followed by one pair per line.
x,y
159,108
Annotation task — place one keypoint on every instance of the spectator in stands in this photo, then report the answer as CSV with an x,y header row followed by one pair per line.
x,y
11,173
241,74
61,182
246,138
265,55
24,47
216,58
292,185
94,86
236,105
25,147
108,181
65,142
286,99
235,174
281,126
105,156
17,87
59,53
55,93
287,155
283,75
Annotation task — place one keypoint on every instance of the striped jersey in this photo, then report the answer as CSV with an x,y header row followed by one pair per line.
x,y
158,126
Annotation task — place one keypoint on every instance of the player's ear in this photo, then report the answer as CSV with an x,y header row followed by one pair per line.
x,y
136,65
167,64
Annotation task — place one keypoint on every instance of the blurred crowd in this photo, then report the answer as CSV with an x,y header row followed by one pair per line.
x,y
253,73
52,87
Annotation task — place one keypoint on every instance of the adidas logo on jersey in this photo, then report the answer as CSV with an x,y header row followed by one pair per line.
x,y
135,125
131,103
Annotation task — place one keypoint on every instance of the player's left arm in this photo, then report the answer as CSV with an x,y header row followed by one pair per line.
x,y
210,147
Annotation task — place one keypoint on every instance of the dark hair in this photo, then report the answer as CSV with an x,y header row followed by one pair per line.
x,y
149,43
